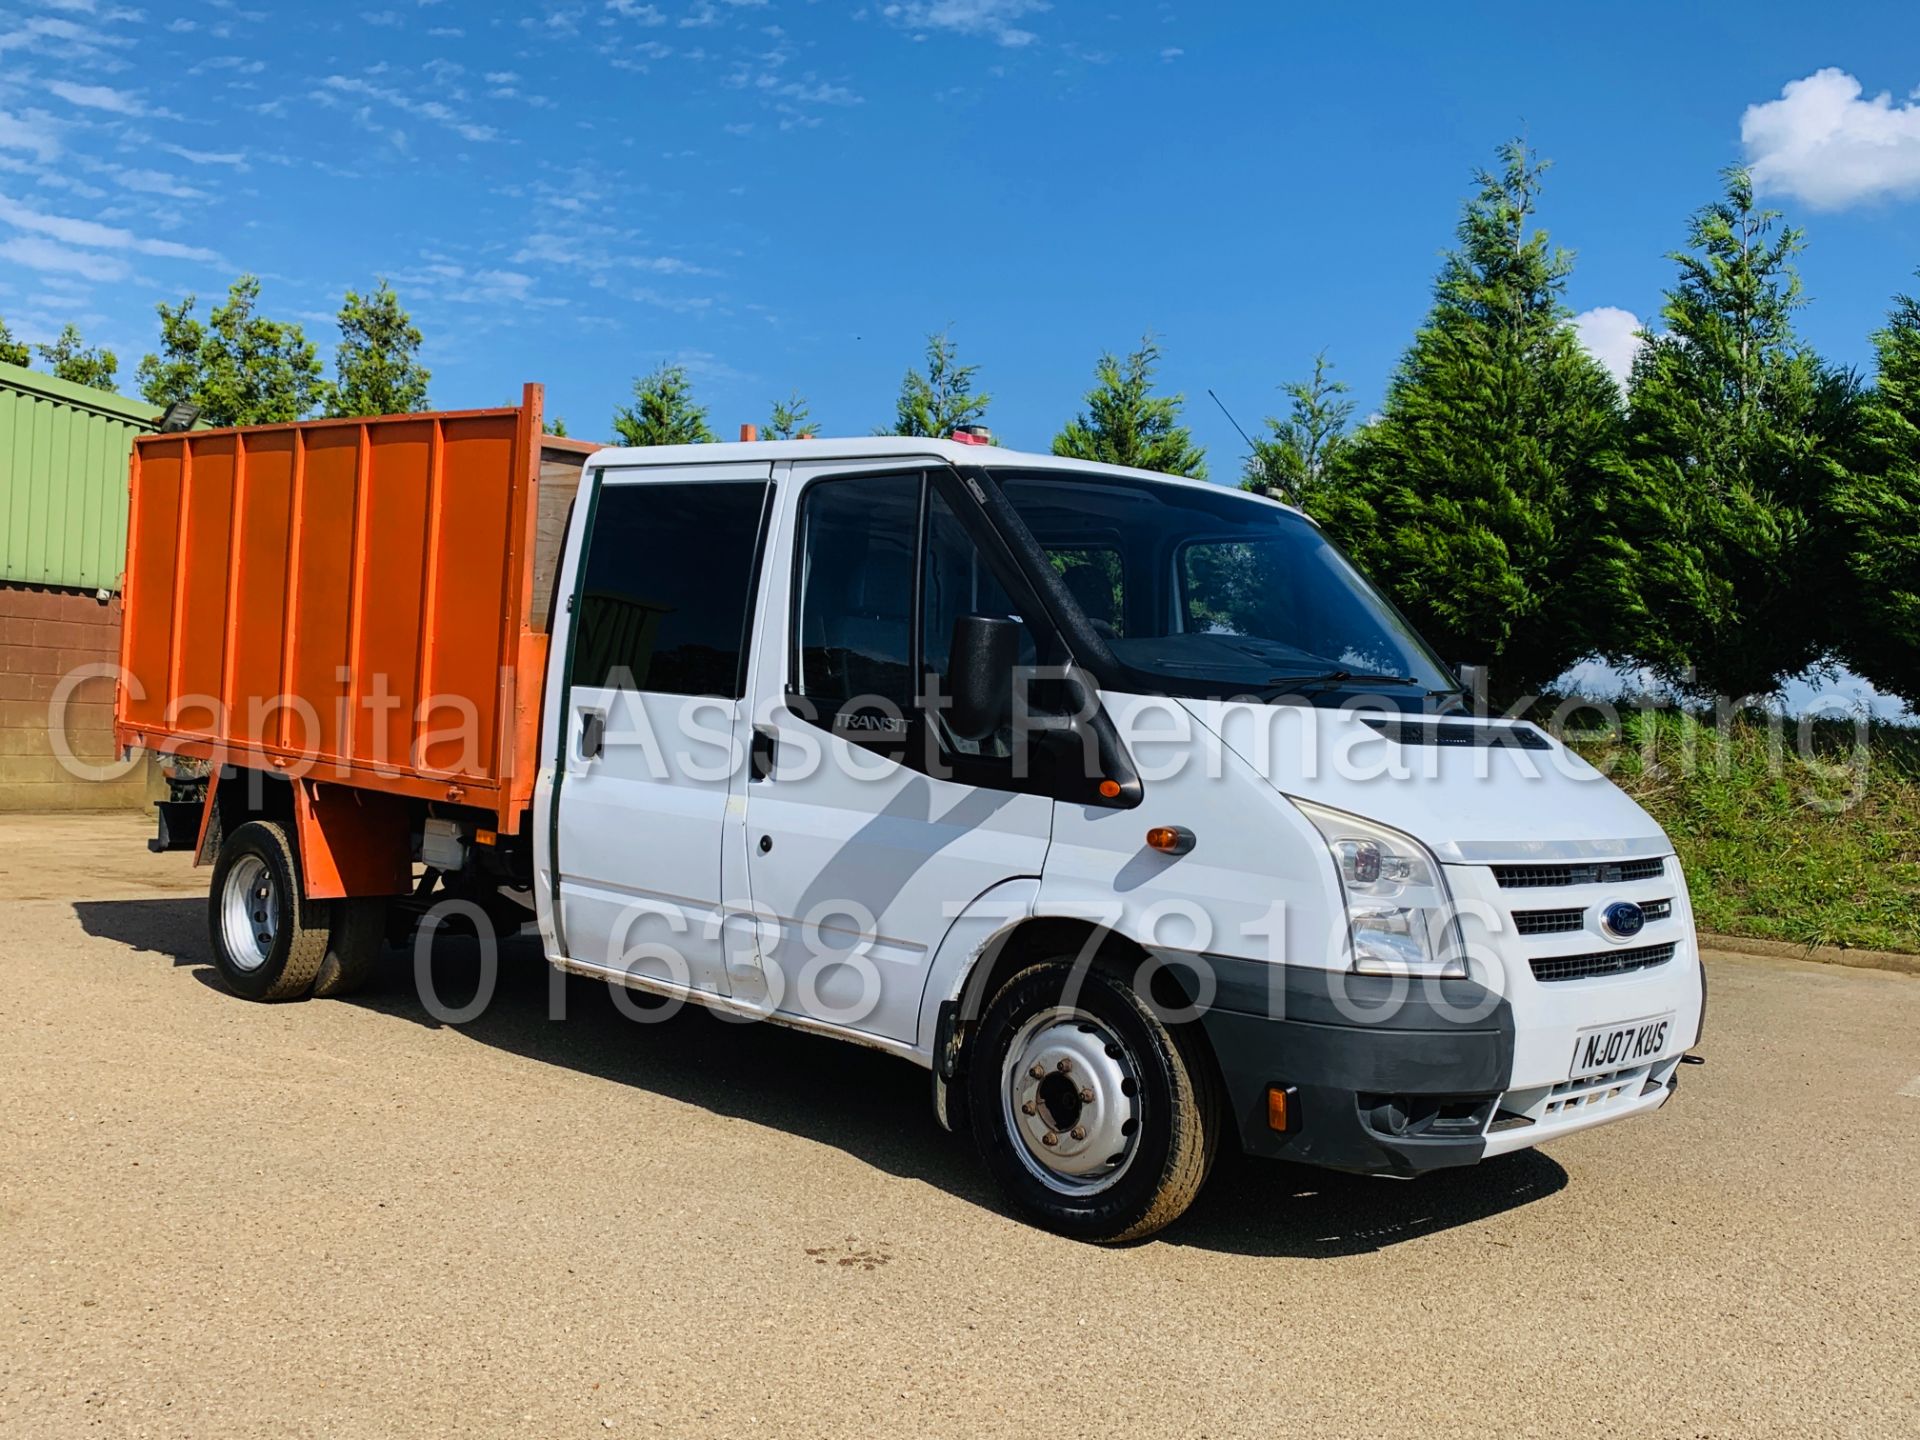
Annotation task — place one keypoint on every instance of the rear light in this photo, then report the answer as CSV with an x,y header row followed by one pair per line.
x,y
973,435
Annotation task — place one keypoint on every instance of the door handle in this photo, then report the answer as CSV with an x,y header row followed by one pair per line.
x,y
761,754
593,734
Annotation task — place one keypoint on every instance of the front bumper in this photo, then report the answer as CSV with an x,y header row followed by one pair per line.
x,y
1387,1077
1398,1077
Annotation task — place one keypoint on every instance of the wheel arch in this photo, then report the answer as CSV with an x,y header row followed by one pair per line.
x,y
348,841
988,955
235,795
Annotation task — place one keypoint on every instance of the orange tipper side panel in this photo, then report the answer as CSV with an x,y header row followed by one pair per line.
x,y
462,659
389,604
203,588
264,514
321,581
340,599
153,531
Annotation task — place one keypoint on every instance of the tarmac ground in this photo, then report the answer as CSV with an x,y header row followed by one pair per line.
x,y
344,1218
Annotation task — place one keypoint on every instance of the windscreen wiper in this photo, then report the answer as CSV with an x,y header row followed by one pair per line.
x,y
1336,677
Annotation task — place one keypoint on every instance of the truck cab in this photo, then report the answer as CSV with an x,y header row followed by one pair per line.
x,y
1121,803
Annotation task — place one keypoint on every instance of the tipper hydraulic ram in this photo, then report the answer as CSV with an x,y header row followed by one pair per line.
x,y
341,626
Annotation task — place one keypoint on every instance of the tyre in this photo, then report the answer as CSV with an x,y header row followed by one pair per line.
x,y
1098,1120
268,938
354,943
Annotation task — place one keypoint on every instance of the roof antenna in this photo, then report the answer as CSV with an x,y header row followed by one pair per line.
x,y
1252,449
1230,420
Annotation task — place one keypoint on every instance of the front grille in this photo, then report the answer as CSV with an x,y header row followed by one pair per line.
x,y
1610,872
1656,909
1548,922
1597,1091
1601,962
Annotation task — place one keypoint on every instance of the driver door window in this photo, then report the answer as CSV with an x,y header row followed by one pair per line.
x,y
853,660
957,581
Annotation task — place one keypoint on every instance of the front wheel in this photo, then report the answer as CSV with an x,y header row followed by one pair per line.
x,y
268,938
1098,1119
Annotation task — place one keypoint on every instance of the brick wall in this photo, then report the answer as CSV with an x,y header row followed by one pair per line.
x,y
44,635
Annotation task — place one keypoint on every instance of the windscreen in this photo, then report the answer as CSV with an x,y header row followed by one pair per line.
x,y
1209,591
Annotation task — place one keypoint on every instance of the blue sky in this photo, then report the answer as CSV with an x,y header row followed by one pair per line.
x,y
790,193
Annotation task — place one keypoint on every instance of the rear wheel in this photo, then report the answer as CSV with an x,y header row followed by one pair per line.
x,y
268,938
354,943
1097,1118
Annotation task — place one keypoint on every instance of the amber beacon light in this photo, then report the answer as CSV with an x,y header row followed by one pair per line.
x,y
1170,839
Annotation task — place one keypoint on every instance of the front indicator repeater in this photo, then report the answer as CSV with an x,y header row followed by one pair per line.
x,y
1170,839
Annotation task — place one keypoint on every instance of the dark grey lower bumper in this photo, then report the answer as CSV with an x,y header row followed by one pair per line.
x,y
1387,1076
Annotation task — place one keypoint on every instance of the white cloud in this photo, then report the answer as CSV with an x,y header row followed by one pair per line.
x,y
239,64
677,304
94,235
1821,142
450,280
1612,336
64,39
432,110
550,249
235,158
1172,52
97,97
994,18
51,178
792,98
158,182
808,91
640,14
33,130
40,254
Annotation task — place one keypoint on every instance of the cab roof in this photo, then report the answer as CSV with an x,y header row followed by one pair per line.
x,y
863,448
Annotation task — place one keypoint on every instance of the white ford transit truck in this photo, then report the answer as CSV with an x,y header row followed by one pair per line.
x,y
1121,803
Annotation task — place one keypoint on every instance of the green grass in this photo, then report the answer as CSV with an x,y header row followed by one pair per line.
x,y
1821,848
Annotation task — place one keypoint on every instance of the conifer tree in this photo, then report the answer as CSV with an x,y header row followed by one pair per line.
x,y
1298,455
1715,563
1878,500
1125,423
790,420
1470,495
939,402
662,412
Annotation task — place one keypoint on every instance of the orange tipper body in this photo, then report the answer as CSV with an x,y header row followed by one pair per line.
x,y
351,601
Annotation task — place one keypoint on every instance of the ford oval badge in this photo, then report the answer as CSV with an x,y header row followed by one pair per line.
x,y
1623,918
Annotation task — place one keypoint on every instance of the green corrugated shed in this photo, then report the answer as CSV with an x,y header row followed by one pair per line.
x,y
63,480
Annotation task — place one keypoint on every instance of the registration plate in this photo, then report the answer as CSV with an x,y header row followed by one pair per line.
x,y
1619,1047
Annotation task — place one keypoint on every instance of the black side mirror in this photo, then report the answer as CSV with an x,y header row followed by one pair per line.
x,y
985,650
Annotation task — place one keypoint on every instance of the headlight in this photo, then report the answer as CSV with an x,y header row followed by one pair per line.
x,y
1399,914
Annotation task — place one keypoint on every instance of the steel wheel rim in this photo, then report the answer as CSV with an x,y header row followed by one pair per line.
x,y
1077,1129
250,912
